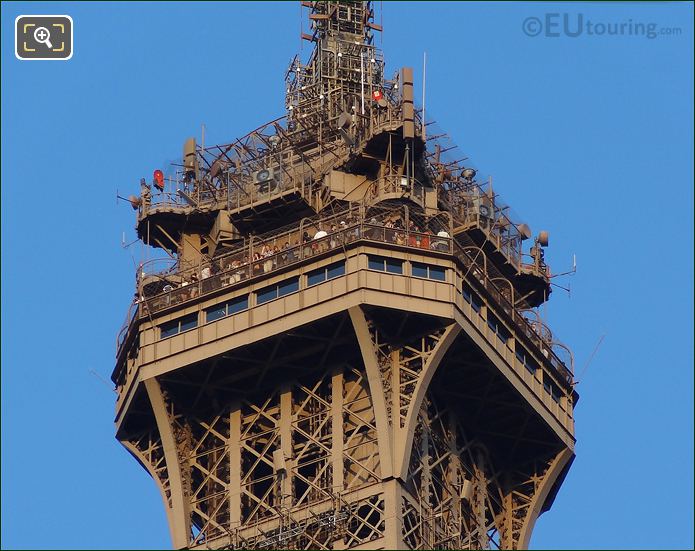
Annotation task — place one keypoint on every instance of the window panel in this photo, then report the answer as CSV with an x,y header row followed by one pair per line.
x,y
376,263
394,266
336,270
189,322
315,277
438,273
174,327
419,270
237,305
215,313
169,329
288,286
269,293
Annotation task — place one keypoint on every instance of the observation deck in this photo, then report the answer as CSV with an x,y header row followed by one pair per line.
x,y
352,240
342,347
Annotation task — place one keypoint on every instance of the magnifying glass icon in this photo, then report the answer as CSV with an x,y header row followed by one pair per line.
x,y
43,36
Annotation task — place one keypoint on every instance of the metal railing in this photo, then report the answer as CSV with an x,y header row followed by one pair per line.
x,y
267,254
537,335
264,256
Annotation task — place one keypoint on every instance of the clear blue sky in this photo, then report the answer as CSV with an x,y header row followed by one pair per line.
x,y
589,137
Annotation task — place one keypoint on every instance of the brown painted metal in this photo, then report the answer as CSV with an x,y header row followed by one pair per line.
x,y
383,383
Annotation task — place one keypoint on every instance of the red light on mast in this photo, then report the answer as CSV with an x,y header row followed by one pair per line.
x,y
159,180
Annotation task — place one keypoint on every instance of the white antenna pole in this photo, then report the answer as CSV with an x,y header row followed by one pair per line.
x,y
362,78
424,75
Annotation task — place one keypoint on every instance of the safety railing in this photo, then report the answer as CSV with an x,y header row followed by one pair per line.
x,y
535,334
264,255
131,316
264,258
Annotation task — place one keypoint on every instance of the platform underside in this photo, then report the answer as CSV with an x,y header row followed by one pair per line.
x,y
287,431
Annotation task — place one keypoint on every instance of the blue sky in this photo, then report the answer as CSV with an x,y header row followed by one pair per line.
x,y
588,137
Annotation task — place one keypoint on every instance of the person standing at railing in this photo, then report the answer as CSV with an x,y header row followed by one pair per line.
x,y
414,236
443,243
389,234
334,236
257,268
425,239
288,255
319,244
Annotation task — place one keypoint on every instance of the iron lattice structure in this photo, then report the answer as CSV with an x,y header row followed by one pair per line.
x,y
340,348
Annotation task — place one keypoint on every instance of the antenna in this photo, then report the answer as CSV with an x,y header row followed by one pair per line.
x,y
103,381
125,245
586,365
424,76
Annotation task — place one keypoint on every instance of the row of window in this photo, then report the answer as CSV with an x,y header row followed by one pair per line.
x,y
291,285
395,266
504,335
239,304
180,325
497,328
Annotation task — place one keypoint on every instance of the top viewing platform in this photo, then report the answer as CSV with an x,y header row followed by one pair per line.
x,y
352,158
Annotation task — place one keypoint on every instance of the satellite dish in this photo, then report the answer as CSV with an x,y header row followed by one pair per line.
x,y
344,120
135,202
468,173
543,238
524,231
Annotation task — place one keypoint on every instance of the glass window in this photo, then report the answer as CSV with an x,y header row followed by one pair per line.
x,y
232,307
288,286
552,389
472,298
556,393
419,270
438,273
189,322
170,328
316,276
394,266
520,356
174,327
376,263
215,313
492,321
278,290
335,270
269,293
328,272
237,304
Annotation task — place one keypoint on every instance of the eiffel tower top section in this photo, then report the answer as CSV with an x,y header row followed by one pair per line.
x,y
344,70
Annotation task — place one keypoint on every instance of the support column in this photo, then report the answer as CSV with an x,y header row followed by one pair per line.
x,y
393,538
235,467
180,527
376,389
337,430
286,446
